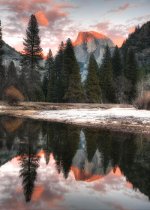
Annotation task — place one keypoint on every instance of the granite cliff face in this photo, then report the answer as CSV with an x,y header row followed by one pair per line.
x,y
139,41
87,43
10,54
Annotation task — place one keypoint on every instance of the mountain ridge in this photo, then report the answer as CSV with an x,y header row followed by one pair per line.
x,y
87,43
87,36
139,41
10,54
93,42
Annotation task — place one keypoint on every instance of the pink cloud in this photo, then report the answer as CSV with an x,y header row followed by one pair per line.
x,y
116,32
131,29
51,15
65,5
41,1
41,17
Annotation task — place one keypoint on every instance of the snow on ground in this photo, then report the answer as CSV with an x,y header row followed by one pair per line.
x,y
120,119
96,114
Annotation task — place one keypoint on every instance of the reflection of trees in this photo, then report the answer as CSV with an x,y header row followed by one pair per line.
x,y
105,146
29,161
70,140
2,136
65,140
47,141
135,164
9,128
128,153
102,141
91,139
116,149
32,130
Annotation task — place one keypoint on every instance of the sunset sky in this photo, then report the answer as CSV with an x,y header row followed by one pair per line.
x,y
60,19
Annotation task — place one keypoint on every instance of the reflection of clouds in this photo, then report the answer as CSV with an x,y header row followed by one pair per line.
x,y
110,182
48,192
53,192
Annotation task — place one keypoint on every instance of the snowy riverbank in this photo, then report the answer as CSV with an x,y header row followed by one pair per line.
x,y
120,119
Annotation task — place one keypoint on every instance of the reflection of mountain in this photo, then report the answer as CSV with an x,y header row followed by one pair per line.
x,y
88,171
84,169
89,153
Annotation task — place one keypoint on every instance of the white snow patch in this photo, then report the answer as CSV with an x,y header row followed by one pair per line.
x,y
96,114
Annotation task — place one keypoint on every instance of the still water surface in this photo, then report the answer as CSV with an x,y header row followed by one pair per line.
x,y
52,166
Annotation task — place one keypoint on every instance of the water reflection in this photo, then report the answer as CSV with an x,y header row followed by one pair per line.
x,y
70,154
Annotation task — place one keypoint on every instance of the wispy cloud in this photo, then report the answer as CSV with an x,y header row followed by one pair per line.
x,y
140,19
122,8
117,32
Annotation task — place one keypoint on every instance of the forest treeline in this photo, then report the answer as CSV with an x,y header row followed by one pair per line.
x,y
116,80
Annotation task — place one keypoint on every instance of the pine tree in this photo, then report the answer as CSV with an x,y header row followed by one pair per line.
x,y
92,87
106,78
23,85
75,93
116,63
2,69
45,86
1,45
51,92
71,81
118,75
131,74
32,48
48,65
59,63
68,67
31,58
12,78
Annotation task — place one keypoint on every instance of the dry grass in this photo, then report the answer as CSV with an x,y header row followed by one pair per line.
x,y
60,106
143,102
13,95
